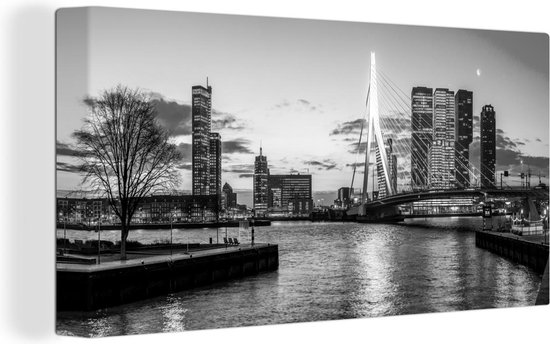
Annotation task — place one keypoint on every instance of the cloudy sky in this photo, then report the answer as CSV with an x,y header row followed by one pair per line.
x,y
297,87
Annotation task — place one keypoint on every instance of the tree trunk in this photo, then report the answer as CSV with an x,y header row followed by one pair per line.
x,y
123,237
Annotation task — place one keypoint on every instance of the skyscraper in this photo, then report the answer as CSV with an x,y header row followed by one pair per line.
x,y
215,174
421,138
463,136
392,164
260,192
392,167
488,146
201,103
442,151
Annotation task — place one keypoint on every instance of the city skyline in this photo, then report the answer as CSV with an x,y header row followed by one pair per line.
x,y
318,88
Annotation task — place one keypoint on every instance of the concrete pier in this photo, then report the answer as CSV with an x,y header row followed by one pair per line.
x,y
90,287
531,253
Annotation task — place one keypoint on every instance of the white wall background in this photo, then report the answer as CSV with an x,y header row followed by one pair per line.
x,y
27,146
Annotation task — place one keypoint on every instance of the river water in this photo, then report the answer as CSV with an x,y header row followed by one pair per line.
x,y
326,271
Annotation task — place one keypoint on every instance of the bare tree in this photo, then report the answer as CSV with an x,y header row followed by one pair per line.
x,y
126,153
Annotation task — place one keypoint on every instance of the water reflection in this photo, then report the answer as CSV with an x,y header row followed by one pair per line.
x,y
329,271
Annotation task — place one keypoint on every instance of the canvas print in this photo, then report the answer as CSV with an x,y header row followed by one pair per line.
x,y
219,171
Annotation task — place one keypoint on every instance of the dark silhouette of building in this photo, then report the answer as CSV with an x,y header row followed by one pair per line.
x,y
215,173
229,196
290,193
260,187
487,146
345,197
422,134
151,209
463,136
201,107
392,167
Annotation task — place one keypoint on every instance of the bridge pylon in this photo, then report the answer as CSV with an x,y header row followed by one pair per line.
x,y
374,134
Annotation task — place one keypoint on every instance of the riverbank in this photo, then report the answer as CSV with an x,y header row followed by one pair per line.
x,y
527,250
83,287
178,225
328,271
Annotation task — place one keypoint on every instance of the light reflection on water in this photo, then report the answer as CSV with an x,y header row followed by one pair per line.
x,y
327,271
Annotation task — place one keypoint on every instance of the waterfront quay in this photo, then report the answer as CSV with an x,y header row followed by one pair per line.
x,y
531,251
82,287
166,225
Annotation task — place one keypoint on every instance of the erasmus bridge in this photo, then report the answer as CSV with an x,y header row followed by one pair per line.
x,y
391,149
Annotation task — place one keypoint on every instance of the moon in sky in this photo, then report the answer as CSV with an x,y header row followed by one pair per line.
x,y
478,72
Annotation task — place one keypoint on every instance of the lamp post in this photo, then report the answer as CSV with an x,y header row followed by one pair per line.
x,y
99,238
171,230
252,232
505,174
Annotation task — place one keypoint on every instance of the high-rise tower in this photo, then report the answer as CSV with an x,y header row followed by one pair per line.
x,y
487,146
392,167
422,134
260,191
201,108
463,136
442,151
215,173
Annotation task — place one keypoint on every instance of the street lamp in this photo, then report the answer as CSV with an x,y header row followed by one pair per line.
x,y
62,214
505,174
99,238
171,229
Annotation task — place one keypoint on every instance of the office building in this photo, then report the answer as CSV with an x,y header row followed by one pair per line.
x,y
392,169
441,157
215,158
151,209
290,193
260,187
421,135
201,107
464,136
487,146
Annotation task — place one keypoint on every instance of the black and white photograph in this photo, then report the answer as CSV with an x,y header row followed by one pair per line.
x,y
217,171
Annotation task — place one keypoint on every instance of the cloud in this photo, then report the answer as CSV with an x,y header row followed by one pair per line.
x,y
223,120
66,150
354,146
509,157
246,175
239,168
299,105
538,140
350,127
66,167
177,118
185,150
504,142
185,166
174,117
326,164
236,146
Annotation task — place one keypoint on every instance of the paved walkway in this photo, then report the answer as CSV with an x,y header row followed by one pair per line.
x,y
136,258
